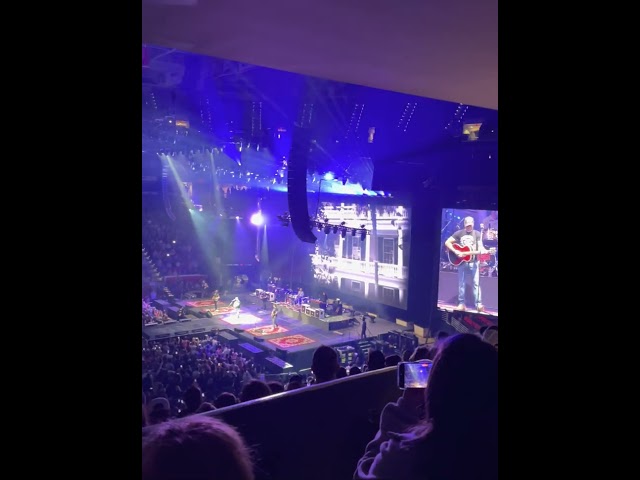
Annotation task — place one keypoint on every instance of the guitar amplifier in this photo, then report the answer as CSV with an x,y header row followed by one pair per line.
x,y
308,310
272,296
258,292
319,313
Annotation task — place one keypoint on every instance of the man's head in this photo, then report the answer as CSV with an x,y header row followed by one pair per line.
x,y
325,364
468,224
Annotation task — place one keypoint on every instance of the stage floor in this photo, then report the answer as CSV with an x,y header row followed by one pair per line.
x,y
293,336
449,307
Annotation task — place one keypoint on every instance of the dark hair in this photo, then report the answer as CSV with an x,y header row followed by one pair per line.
x,y
459,438
392,360
225,399
376,360
199,448
275,387
420,353
325,363
253,390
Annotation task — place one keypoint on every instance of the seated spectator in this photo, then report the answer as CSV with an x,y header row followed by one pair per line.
x,y
392,360
192,399
325,364
420,353
375,361
198,448
354,370
437,433
253,390
342,372
205,407
295,382
275,387
225,399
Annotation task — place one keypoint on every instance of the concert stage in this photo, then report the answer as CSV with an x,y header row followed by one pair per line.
x,y
252,333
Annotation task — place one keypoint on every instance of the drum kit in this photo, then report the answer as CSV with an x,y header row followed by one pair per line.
x,y
488,262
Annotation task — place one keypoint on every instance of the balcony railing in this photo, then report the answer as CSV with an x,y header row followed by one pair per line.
x,y
361,267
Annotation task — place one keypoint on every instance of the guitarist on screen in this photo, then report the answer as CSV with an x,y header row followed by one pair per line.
x,y
464,247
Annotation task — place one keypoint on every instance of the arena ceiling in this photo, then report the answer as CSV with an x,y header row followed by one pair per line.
x,y
440,49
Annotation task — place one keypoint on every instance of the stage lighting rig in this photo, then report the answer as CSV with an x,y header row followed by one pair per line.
x,y
326,227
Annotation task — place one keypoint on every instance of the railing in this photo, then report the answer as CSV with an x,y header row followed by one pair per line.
x,y
361,267
337,418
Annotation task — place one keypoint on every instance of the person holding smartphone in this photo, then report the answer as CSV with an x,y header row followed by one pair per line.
x,y
448,429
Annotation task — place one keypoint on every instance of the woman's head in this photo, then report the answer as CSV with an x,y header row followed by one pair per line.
x,y
463,382
198,447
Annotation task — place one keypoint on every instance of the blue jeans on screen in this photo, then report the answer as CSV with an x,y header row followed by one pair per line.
x,y
469,271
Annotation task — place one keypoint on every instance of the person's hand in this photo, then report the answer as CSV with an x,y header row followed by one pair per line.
x,y
460,254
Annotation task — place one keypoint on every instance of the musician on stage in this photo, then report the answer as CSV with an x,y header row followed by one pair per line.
x,y
264,296
491,221
235,303
299,296
215,298
468,237
274,316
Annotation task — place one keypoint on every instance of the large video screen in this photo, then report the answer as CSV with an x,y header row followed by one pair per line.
x,y
468,273
373,265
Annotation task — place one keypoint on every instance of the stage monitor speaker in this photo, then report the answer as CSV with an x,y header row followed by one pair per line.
x,y
209,314
198,330
297,184
161,335
259,339
182,332
239,330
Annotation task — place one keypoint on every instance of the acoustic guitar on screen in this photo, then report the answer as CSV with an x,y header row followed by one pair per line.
x,y
455,260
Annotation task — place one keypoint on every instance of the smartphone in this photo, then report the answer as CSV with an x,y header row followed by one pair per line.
x,y
413,374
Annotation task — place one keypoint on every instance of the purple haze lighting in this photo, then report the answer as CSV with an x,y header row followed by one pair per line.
x,y
257,219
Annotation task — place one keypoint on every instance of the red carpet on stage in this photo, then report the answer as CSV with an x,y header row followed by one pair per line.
x,y
262,331
291,341
201,303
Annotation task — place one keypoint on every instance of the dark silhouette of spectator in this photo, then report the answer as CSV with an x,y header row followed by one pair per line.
x,y
192,399
205,407
295,382
253,390
420,353
354,370
325,364
376,360
197,448
392,360
450,438
225,399
342,372
276,387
